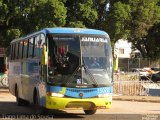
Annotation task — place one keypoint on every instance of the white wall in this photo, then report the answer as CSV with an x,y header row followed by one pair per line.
x,y
122,49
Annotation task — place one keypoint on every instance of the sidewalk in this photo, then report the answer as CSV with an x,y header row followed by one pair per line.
x,y
155,99
4,90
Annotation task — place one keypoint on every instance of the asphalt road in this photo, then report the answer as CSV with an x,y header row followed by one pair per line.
x,y
121,110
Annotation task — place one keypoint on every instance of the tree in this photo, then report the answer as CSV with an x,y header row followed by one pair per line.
x,y
101,9
80,13
26,16
132,20
153,41
51,13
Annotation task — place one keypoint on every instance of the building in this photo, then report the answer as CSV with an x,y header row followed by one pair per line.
x,y
122,49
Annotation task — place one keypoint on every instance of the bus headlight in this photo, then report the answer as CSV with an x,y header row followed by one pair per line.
x,y
55,94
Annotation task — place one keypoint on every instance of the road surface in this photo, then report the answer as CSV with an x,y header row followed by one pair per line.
x,y
121,110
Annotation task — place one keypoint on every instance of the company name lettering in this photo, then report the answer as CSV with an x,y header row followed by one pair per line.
x,y
93,39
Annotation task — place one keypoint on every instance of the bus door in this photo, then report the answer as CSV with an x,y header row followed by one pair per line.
x,y
41,85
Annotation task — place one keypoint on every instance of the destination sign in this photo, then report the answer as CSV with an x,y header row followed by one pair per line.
x,y
94,39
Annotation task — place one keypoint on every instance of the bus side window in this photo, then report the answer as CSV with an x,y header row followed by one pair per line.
x,y
17,50
27,54
36,47
42,43
11,52
30,47
33,47
14,51
20,49
39,42
25,45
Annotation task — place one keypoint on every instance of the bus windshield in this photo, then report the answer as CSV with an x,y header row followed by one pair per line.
x,y
79,60
96,55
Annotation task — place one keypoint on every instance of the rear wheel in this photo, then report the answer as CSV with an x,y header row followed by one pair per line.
x,y
20,102
36,101
90,112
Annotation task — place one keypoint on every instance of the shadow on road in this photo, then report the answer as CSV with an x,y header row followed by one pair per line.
x,y
10,110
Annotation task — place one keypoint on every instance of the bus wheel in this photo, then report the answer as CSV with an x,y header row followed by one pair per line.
x,y
18,100
38,108
90,112
36,99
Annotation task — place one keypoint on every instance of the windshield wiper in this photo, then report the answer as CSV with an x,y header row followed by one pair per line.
x,y
90,74
76,76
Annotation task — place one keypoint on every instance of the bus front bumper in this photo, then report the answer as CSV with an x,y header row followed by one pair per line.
x,y
86,104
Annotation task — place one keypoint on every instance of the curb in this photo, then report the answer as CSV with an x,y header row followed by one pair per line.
x,y
137,100
4,90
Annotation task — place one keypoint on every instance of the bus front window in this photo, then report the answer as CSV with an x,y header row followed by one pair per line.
x,y
63,58
78,60
97,58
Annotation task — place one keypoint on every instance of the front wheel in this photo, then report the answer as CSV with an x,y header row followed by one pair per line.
x,y
38,108
90,112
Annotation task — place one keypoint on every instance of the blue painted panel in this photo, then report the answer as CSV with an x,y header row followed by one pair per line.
x,y
65,31
74,31
87,92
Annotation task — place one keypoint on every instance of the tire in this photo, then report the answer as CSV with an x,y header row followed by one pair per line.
x,y
19,101
38,108
154,79
90,112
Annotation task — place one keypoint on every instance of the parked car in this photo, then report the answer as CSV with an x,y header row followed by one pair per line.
x,y
143,73
155,77
155,69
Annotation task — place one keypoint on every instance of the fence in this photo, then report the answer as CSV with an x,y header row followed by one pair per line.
x,y
130,84
127,64
129,88
3,80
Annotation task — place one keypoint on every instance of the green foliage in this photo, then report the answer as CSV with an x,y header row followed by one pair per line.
x,y
13,33
49,14
3,11
100,7
78,24
132,19
87,11
81,11
29,16
118,24
135,20
152,42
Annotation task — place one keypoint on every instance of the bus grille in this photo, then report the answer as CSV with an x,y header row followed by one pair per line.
x,y
81,90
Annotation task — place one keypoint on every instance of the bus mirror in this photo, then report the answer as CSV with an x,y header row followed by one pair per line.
x,y
44,58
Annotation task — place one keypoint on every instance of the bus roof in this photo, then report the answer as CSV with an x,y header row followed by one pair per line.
x,y
64,30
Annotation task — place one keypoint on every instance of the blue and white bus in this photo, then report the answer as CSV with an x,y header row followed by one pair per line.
x,y
54,68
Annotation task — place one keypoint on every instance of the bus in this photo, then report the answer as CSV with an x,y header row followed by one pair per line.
x,y
52,69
